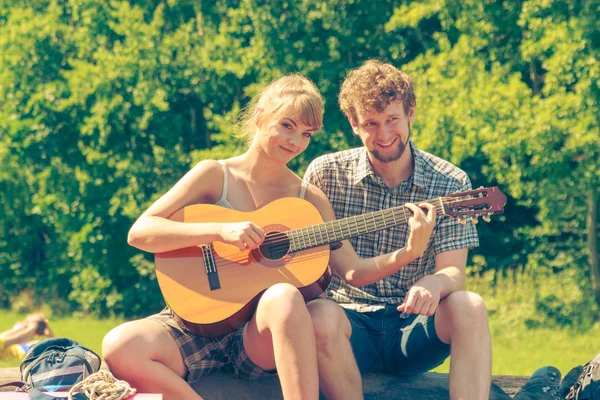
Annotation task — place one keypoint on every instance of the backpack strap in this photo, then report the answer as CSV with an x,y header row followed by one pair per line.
x,y
17,384
37,394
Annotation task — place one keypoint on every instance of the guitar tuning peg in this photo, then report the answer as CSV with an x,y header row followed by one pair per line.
x,y
462,220
474,219
486,218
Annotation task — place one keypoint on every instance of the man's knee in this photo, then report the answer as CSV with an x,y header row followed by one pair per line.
x,y
466,307
461,313
469,302
330,322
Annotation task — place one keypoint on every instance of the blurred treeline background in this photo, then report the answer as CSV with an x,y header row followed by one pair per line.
x,y
105,104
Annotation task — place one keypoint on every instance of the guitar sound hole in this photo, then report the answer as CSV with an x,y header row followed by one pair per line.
x,y
275,246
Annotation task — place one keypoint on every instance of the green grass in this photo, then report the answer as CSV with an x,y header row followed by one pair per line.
x,y
522,351
517,349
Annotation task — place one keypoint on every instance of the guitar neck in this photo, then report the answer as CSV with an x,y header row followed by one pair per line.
x,y
346,228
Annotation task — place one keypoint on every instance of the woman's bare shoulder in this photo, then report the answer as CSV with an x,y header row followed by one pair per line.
x,y
316,196
205,166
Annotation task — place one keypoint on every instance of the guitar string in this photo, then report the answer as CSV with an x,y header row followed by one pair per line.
x,y
302,257
286,243
378,217
280,244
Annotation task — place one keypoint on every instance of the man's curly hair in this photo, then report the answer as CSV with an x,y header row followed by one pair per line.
x,y
373,86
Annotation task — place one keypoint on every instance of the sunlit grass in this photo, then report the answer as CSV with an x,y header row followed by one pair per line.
x,y
520,350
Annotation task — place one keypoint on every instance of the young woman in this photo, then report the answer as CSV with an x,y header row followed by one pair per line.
x,y
156,354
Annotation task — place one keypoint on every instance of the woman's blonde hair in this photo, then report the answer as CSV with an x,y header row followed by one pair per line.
x,y
292,92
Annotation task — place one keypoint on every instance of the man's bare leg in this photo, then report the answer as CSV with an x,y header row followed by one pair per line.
x,y
144,354
339,376
281,335
461,321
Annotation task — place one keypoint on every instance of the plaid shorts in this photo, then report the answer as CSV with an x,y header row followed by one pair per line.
x,y
203,356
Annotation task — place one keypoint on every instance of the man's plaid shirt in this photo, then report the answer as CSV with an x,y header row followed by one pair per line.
x,y
351,185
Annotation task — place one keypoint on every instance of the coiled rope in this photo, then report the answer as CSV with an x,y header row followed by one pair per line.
x,y
102,385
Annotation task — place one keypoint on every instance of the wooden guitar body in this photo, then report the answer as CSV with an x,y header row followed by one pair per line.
x,y
183,274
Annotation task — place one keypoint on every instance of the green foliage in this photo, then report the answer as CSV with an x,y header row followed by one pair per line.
x,y
104,105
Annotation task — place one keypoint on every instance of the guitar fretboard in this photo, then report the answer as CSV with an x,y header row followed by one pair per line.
x,y
341,229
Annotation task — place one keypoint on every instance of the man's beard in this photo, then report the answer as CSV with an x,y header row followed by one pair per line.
x,y
393,156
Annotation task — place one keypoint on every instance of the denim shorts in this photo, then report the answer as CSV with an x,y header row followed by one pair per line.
x,y
205,355
382,341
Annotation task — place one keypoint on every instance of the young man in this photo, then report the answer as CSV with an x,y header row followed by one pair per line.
x,y
412,319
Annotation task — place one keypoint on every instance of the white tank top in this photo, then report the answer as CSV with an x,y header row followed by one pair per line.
x,y
223,200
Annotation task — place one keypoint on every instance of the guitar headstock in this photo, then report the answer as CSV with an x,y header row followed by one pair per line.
x,y
481,202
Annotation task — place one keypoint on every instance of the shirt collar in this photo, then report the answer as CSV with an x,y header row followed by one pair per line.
x,y
364,168
420,165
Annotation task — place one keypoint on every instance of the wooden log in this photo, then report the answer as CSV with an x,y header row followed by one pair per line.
x,y
378,386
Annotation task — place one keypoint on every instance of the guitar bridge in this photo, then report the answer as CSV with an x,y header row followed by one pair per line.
x,y
211,267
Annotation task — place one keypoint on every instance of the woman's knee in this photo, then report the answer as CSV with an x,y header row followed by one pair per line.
x,y
130,347
282,299
120,346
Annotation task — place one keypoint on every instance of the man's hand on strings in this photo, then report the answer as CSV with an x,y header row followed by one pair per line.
x,y
421,225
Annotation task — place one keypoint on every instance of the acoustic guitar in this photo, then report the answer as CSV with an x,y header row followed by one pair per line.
x,y
214,288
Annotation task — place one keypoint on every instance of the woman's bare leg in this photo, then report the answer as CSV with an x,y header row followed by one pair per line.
x,y
144,354
280,335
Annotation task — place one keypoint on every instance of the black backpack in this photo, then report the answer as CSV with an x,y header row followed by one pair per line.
x,y
56,364
587,386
